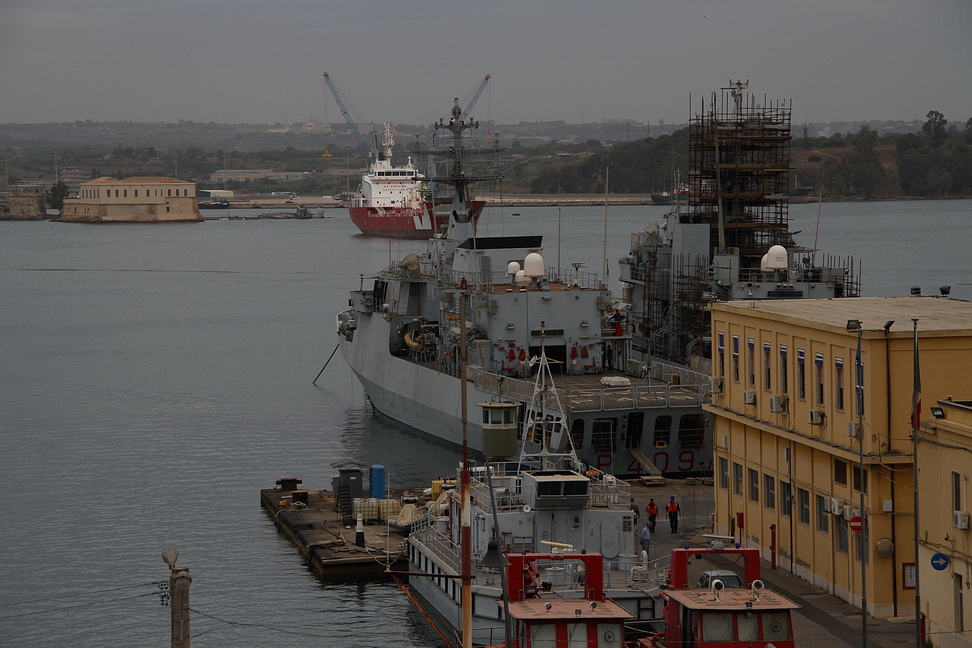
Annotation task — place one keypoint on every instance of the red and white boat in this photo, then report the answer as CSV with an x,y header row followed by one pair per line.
x,y
395,201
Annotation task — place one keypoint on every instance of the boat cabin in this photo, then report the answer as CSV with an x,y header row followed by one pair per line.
x,y
551,621
720,616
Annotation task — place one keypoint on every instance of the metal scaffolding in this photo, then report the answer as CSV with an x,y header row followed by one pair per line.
x,y
740,172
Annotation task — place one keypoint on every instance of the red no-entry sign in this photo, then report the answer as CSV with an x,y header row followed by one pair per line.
x,y
855,524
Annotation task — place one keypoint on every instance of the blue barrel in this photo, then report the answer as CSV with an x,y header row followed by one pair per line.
x,y
377,481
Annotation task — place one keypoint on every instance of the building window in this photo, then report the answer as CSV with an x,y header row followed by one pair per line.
x,y
801,376
843,545
751,360
819,378
722,354
116,193
723,473
857,479
783,369
125,193
861,546
803,505
786,498
753,485
767,349
823,518
737,478
769,492
735,358
956,492
840,472
839,383
169,194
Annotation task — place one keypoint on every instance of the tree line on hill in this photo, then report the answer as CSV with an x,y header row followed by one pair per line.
x,y
935,162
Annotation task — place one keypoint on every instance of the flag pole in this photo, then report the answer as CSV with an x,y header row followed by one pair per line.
x,y
915,413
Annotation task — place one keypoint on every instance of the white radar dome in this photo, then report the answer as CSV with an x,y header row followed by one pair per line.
x,y
512,268
521,279
776,258
533,265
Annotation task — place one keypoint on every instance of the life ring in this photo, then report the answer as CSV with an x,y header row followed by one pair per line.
x,y
369,302
522,354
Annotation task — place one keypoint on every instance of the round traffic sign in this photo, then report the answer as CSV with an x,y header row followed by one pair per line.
x,y
855,524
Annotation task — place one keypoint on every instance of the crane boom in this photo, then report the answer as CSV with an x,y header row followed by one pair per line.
x,y
472,102
347,116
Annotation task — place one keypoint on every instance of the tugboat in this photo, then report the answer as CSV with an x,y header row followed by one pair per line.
x,y
721,616
401,337
503,517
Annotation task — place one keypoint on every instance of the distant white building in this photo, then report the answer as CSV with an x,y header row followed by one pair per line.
x,y
241,175
141,200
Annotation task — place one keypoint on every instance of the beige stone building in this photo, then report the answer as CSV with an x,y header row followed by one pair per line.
x,y
23,203
140,200
945,464
790,424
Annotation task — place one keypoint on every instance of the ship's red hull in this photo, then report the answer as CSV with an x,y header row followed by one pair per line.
x,y
403,222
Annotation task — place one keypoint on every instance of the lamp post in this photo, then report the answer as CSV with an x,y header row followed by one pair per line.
x,y
855,325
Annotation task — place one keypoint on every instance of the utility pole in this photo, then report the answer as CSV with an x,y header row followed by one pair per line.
x,y
179,581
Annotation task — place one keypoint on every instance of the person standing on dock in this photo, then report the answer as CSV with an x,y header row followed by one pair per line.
x,y
674,512
634,508
652,510
646,538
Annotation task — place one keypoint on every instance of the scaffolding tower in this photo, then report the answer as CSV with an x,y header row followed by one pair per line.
x,y
740,172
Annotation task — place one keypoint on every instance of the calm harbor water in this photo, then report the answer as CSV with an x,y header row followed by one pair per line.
x,y
155,378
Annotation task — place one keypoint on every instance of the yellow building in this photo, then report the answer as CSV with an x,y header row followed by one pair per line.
x,y
787,432
944,467
142,200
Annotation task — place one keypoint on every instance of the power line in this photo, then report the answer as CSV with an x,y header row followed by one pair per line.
x,y
54,598
71,607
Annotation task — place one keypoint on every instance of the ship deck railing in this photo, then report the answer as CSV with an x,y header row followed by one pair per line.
x,y
621,573
605,490
678,388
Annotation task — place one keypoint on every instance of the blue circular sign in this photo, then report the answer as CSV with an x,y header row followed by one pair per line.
x,y
939,561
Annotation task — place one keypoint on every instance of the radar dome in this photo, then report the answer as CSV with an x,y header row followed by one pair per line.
x,y
776,258
533,266
512,268
521,279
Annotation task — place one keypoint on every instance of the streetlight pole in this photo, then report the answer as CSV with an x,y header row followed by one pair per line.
x,y
914,477
855,325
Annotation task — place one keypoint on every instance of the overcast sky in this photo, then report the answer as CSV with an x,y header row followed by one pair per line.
x,y
262,61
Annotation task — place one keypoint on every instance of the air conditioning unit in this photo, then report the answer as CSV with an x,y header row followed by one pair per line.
x,y
749,398
779,403
828,507
852,430
960,520
717,385
725,442
836,506
817,417
850,512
